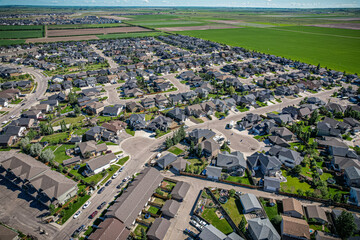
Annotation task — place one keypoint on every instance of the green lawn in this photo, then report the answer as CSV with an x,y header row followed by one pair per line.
x,y
148,116
175,150
122,161
261,104
335,48
60,154
153,210
66,109
55,137
162,133
111,172
68,120
138,228
94,178
270,211
69,212
220,114
197,120
80,131
235,210
17,101
210,215
79,26
129,131
293,184
21,34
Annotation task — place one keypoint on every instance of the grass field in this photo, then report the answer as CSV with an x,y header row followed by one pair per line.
x,y
79,26
335,48
21,34
17,28
128,35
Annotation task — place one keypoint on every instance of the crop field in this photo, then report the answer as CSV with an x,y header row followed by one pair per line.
x,y
93,31
127,35
337,49
21,34
190,28
16,28
80,26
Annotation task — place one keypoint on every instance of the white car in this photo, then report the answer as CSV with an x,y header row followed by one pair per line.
x,y
13,116
77,214
4,122
115,175
86,204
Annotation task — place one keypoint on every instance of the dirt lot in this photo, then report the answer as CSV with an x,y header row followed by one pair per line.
x,y
93,31
206,27
61,39
353,26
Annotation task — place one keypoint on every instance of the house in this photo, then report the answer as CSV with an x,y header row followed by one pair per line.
x,y
91,147
158,229
250,203
195,110
148,103
170,208
112,110
137,121
95,133
282,132
98,164
4,102
129,205
211,232
267,165
352,176
161,101
278,141
289,158
115,127
17,131
355,196
110,228
165,161
160,123
271,184
35,114
249,120
198,135
213,172
294,228
180,190
94,108
262,229
231,161
177,114
317,213
7,140
319,235
292,207
210,148
179,164
71,161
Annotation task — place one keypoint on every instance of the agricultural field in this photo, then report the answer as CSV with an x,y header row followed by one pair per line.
x,y
80,26
93,31
127,35
336,49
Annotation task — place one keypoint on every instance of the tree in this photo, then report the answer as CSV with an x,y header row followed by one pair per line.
x,y
60,168
345,225
35,149
31,134
24,143
231,90
52,209
199,151
143,234
337,197
187,168
242,225
313,118
47,155
232,193
77,110
276,220
296,170
63,126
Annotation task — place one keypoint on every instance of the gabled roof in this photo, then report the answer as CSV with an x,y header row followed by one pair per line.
x,y
180,190
213,171
295,227
314,211
291,204
352,173
101,161
110,228
249,201
158,229
233,159
170,208
199,133
263,229
211,232
7,234
167,159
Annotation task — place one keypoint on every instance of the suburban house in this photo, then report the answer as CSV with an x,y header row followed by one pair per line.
x,y
177,114
294,228
261,229
213,172
92,148
98,164
198,135
271,184
352,176
112,111
165,161
231,161
317,213
160,123
170,208
210,148
267,165
293,208
137,121
116,127
250,203
180,190
158,229
354,196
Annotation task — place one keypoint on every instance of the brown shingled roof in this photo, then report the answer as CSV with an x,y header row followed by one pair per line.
x,y
110,228
291,204
295,227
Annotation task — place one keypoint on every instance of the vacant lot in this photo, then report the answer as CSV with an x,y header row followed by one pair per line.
x,y
190,28
335,48
93,31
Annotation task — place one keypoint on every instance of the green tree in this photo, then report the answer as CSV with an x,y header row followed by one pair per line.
x,y
242,225
77,110
143,234
47,155
35,149
52,209
232,193
276,220
345,225
32,134
199,150
24,144
296,170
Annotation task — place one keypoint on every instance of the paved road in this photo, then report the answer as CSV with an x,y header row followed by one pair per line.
x,y
108,59
32,98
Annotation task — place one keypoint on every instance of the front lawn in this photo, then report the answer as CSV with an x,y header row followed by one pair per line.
x,y
175,150
17,101
261,104
113,169
162,133
244,109
123,160
196,120
130,132
221,224
74,207
220,114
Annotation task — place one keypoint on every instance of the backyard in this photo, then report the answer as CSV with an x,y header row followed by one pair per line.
x,y
221,224
175,150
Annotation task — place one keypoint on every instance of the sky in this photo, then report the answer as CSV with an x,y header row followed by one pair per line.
x,y
194,3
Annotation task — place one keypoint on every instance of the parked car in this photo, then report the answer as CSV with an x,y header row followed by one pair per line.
x,y
101,190
119,186
121,169
77,214
190,233
115,175
86,204
93,214
101,205
108,183
221,118
81,228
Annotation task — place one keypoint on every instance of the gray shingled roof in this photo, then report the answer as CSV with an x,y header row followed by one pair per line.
x,y
250,202
263,229
180,190
170,208
211,232
167,160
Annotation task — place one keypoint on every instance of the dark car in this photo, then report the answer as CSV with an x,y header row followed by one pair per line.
x,y
101,190
93,214
190,233
81,228
101,205
108,183
119,186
